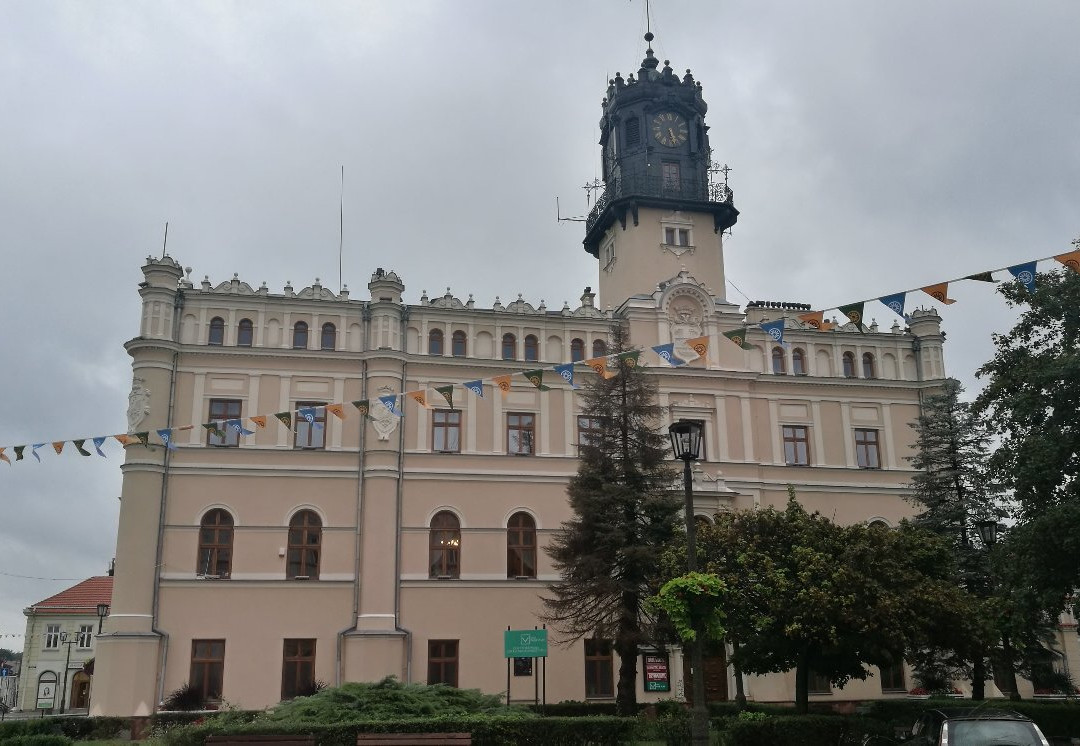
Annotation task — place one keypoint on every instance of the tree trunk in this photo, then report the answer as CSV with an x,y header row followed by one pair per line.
x,y
978,677
626,645
802,686
740,693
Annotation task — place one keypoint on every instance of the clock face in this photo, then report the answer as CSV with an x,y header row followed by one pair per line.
x,y
669,129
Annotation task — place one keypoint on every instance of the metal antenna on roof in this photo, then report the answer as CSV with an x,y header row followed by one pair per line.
x,y
166,241
341,227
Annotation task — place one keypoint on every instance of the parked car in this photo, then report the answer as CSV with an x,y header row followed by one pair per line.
x,y
975,726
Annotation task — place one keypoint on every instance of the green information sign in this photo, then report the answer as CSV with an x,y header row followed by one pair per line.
x,y
525,643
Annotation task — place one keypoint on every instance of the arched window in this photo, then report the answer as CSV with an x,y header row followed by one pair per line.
x,y
778,361
599,348
849,365
798,362
458,344
217,331
305,540
329,337
244,333
532,348
868,365
444,546
521,546
509,347
434,342
577,350
299,335
215,544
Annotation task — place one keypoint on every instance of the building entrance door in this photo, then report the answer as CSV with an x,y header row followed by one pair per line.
x,y
716,675
80,691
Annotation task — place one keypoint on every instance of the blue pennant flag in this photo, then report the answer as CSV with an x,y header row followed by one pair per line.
x,y
390,402
308,413
98,442
33,450
775,330
895,303
235,425
166,438
477,387
1026,274
566,372
667,354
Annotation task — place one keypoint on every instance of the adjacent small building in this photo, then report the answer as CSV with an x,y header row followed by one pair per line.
x,y
59,647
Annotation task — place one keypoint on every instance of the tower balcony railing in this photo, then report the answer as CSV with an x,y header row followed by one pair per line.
x,y
654,185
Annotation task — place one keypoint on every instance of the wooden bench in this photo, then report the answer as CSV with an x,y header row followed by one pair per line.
x,y
420,739
248,739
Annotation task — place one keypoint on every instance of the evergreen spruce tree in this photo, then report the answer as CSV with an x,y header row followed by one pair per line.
x,y
953,491
624,512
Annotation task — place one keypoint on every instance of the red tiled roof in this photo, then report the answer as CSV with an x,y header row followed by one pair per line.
x,y
78,599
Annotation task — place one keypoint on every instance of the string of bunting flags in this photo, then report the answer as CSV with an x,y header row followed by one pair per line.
x,y
312,415
895,302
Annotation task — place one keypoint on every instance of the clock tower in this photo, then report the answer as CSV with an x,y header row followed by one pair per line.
x,y
659,214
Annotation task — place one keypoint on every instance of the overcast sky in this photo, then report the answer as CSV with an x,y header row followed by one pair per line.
x,y
874,147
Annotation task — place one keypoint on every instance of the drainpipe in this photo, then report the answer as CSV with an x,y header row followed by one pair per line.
x,y
178,306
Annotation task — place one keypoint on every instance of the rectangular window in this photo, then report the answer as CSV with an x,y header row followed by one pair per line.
x,y
672,180
442,664
633,131
446,431
310,434
588,431
220,411
677,236
298,669
866,449
207,668
892,678
819,684
52,636
520,432
86,634
796,445
599,671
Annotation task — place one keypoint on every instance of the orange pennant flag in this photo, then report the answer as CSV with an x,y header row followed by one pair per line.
x,y
259,419
420,397
123,439
503,382
817,320
939,292
599,366
3,457
700,345
58,446
1070,260
337,410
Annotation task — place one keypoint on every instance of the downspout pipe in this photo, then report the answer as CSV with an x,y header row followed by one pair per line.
x,y
178,306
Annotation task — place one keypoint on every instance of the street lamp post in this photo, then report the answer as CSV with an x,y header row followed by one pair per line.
x,y
102,612
686,443
67,663
988,532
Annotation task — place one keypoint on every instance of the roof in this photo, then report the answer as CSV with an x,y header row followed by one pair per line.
x,y
80,599
978,713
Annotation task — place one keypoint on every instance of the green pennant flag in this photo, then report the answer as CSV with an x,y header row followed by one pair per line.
x,y
363,406
18,452
448,394
630,358
854,312
286,418
536,378
213,427
981,277
738,336
79,447
144,437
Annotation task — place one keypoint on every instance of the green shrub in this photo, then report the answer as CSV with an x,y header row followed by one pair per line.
x,y
40,739
571,709
800,730
1055,719
36,726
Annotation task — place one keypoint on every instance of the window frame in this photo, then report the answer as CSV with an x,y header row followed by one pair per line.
x,y
792,439
867,447
220,411
216,335
245,333
670,177
779,362
435,342
459,340
222,543
532,348
798,362
85,637
509,345
599,348
51,637
868,365
524,424
308,428
446,422
890,675
577,350
817,683
586,426
521,546
848,364
328,333
444,546
300,333
295,681
300,548
599,669
443,662
207,668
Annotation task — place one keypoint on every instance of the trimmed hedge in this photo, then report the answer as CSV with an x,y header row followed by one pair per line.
x,y
1055,719
38,740
77,728
485,730
801,730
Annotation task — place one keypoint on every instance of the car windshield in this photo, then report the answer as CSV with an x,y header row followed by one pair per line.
x,y
992,733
